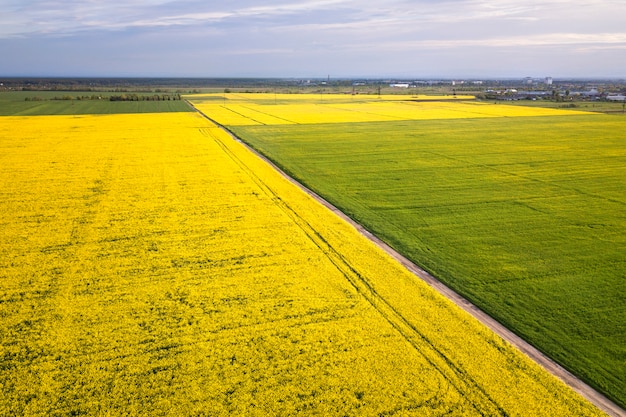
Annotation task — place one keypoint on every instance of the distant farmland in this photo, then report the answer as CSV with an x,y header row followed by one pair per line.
x,y
37,103
520,209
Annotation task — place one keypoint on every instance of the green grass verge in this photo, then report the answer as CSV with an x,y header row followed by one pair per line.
x,y
526,217
610,107
36,103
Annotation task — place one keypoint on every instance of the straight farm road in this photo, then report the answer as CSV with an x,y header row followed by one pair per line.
x,y
588,392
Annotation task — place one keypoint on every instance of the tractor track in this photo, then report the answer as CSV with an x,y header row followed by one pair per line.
x,y
462,382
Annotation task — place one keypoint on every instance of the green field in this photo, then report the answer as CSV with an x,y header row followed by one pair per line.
x,y
526,217
36,103
593,106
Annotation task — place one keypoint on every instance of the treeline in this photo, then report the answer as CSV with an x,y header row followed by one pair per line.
x,y
142,97
122,97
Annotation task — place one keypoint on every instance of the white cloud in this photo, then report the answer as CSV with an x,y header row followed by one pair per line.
x,y
23,18
544,40
64,17
314,30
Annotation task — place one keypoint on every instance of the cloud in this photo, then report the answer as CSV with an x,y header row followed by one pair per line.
x,y
66,17
603,40
344,34
53,17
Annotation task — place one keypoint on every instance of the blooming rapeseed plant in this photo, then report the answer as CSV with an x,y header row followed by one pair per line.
x,y
261,109
152,265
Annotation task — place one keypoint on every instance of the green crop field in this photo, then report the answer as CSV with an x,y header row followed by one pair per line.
x,y
593,106
36,103
524,216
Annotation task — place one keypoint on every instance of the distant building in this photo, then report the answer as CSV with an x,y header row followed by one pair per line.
x,y
548,81
617,97
399,85
591,93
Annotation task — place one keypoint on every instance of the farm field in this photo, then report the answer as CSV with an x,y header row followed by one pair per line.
x,y
36,103
295,109
593,106
151,265
522,215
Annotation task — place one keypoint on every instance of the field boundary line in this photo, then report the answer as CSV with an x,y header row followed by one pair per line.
x,y
586,391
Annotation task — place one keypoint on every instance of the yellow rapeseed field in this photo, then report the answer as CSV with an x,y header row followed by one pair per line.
x,y
269,109
152,265
322,96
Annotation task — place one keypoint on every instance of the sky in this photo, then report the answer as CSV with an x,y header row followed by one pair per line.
x,y
314,38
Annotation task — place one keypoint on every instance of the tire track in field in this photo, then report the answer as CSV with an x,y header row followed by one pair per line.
x,y
388,116
586,391
457,377
240,114
527,177
271,115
